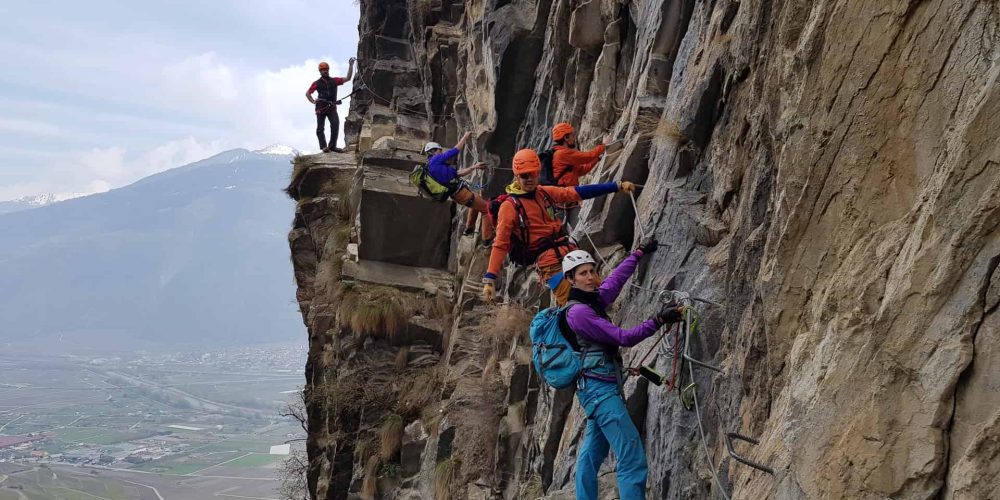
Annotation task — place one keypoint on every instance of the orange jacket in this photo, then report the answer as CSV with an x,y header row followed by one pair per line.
x,y
541,224
575,163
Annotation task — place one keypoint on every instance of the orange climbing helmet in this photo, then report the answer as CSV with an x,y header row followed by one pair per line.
x,y
561,130
323,65
526,161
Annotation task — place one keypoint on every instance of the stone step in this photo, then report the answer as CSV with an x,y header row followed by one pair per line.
x,y
397,159
410,279
398,226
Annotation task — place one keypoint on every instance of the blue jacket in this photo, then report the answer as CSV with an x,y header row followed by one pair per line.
x,y
439,168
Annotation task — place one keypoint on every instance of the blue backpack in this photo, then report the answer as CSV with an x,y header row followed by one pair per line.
x,y
555,358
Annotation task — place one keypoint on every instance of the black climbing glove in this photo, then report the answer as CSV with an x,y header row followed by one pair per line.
x,y
648,245
670,313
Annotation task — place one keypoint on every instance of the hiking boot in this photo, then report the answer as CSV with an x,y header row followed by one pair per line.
x,y
326,150
336,150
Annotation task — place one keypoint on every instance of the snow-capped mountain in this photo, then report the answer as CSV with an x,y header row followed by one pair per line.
x,y
273,152
278,149
35,201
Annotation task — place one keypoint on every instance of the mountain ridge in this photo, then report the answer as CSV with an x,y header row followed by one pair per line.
x,y
190,254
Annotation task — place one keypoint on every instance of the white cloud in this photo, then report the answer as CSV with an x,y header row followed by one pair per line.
x,y
174,154
105,163
101,169
199,81
23,126
98,186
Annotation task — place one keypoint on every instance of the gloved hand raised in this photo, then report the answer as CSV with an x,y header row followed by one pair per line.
x,y
670,313
626,187
489,289
648,245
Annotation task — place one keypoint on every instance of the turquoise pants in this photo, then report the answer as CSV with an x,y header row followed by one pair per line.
x,y
608,427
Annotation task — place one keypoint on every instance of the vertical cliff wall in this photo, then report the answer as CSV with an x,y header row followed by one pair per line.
x,y
828,171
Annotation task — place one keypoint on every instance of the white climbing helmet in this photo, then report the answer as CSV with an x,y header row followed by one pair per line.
x,y
576,258
431,146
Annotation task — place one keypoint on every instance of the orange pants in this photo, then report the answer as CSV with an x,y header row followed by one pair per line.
x,y
477,204
560,292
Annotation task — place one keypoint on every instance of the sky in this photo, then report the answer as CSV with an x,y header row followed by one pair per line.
x,y
98,94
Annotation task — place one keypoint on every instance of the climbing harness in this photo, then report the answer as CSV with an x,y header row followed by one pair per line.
x,y
521,253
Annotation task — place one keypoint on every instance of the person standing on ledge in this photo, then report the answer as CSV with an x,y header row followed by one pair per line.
x,y
326,104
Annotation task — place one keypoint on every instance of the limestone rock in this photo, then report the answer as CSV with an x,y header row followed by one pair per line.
x,y
828,172
397,226
414,439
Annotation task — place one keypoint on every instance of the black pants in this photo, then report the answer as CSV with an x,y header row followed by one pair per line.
x,y
330,113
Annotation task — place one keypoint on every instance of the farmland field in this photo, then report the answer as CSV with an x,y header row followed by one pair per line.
x,y
108,430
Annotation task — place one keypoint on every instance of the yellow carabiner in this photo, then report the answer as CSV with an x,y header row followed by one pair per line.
x,y
687,396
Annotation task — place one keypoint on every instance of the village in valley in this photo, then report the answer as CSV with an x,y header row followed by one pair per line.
x,y
124,425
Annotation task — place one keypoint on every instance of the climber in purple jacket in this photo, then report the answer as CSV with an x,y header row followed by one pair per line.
x,y
599,388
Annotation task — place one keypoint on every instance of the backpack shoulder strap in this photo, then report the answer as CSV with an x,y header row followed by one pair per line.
x,y
564,327
578,343
522,217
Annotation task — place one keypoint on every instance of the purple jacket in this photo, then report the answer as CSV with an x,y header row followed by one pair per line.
x,y
587,324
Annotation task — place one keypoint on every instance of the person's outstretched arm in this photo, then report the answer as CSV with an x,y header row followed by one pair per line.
x,y
586,323
612,286
577,193
501,241
350,69
578,158
467,171
585,168
463,140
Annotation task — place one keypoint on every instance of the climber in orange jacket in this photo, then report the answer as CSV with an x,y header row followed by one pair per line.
x,y
527,219
569,163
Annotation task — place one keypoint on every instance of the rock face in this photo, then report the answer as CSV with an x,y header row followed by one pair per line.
x,y
829,172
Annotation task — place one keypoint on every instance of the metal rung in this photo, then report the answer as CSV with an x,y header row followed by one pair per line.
x,y
730,436
702,364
